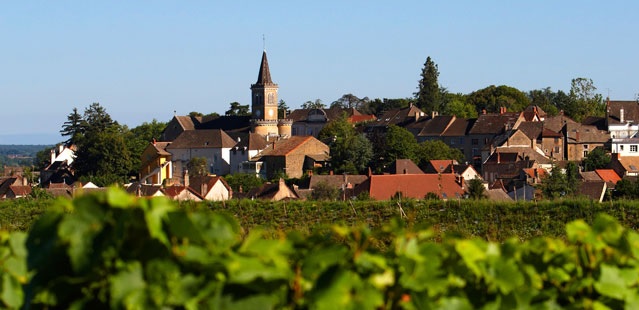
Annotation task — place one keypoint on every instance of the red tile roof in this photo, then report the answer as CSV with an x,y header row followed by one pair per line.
x,y
608,175
383,187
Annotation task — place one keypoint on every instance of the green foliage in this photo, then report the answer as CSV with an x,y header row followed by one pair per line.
x,y
559,184
197,166
282,109
549,101
237,109
351,152
597,159
493,97
583,100
138,138
428,93
324,191
243,182
458,105
475,189
317,104
397,143
112,250
437,149
350,101
379,106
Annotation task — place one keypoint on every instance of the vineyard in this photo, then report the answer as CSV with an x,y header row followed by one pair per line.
x,y
111,250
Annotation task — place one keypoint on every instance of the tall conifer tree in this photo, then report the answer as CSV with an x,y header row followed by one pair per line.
x,y
428,89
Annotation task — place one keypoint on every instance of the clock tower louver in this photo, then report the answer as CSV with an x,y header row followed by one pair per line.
x,y
264,103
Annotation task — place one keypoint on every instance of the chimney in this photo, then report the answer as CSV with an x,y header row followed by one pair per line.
x,y
204,189
621,120
52,155
186,177
240,189
434,114
498,158
60,148
330,172
483,111
154,142
370,172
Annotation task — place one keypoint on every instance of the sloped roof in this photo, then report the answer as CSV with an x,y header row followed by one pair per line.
x,y
20,190
337,181
207,138
524,152
532,130
535,172
252,141
497,194
629,163
160,148
186,122
398,116
176,190
264,76
270,191
404,166
594,190
441,165
196,183
630,112
435,126
384,187
556,123
578,133
494,123
226,123
459,127
589,176
608,175
287,146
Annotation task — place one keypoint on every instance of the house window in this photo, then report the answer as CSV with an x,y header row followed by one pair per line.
x,y
461,140
585,146
475,141
621,147
452,141
556,150
585,153
633,148
556,140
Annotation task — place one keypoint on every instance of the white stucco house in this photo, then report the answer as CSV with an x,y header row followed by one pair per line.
x,y
212,144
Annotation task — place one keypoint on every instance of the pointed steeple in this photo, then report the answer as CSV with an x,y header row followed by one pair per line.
x,y
264,77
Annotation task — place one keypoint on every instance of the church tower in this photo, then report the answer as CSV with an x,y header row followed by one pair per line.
x,y
264,104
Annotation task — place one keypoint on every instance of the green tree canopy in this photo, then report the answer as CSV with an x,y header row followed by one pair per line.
x,y
349,101
317,104
583,100
396,143
282,109
493,97
243,182
237,109
428,93
597,159
475,189
559,184
198,166
350,151
74,127
436,149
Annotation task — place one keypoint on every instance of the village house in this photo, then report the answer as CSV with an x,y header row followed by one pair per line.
x,y
623,126
211,188
309,122
156,164
292,157
212,144
273,192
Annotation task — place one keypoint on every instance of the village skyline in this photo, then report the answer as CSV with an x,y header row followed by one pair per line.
x,y
144,62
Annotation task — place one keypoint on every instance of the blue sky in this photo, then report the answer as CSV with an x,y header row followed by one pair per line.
x,y
142,60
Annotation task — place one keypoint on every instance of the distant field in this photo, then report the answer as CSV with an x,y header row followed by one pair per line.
x,y
19,155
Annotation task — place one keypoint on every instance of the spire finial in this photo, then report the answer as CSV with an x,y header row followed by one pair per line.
x,y
263,42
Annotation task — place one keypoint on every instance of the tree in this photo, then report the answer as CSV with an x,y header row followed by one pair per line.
x,y
626,189
350,101
74,127
428,94
456,104
436,149
243,182
350,151
103,157
546,99
317,104
324,191
583,100
597,159
96,118
197,166
397,143
379,106
475,189
559,184
494,97
237,109
282,109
